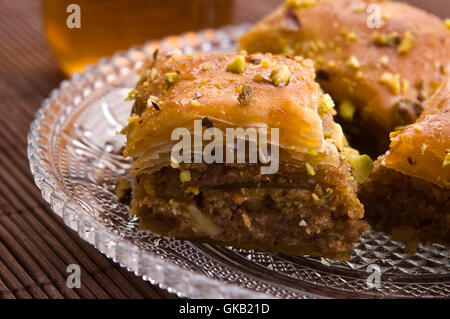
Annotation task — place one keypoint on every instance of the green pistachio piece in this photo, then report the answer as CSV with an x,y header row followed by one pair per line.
x,y
280,75
237,65
362,166
171,77
347,111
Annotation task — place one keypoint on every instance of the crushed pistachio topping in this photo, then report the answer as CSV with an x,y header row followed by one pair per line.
x,y
327,105
405,85
327,193
300,3
407,43
392,81
352,36
379,38
423,148
362,166
446,160
353,63
312,153
310,169
280,75
299,58
384,61
133,119
315,197
170,202
265,63
154,74
193,189
174,163
359,75
435,85
177,55
171,77
447,23
348,84
185,176
132,95
237,65
246,95
392,39
338,136
286,49
206,66
347,111
331,64
258,78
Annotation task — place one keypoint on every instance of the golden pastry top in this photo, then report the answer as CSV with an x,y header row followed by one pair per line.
x,y
230,90
374,68
423,149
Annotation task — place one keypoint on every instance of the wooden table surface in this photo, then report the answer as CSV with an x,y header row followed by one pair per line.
x,y
35,245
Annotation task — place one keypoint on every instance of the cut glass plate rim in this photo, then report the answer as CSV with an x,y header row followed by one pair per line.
x,y
176,279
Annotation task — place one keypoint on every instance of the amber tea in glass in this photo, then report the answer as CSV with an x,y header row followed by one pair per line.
x,y
96,28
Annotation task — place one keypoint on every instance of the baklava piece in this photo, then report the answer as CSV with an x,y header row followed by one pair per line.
x,y
408,194
379,60
308,206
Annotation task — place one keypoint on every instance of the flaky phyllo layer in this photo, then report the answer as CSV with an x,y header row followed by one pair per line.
x,y
414,175
306,204
422,149
232,91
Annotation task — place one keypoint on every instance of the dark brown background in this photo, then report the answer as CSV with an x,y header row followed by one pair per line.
x,y
35,246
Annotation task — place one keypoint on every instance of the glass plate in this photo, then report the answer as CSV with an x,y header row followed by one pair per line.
x,y
74,148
